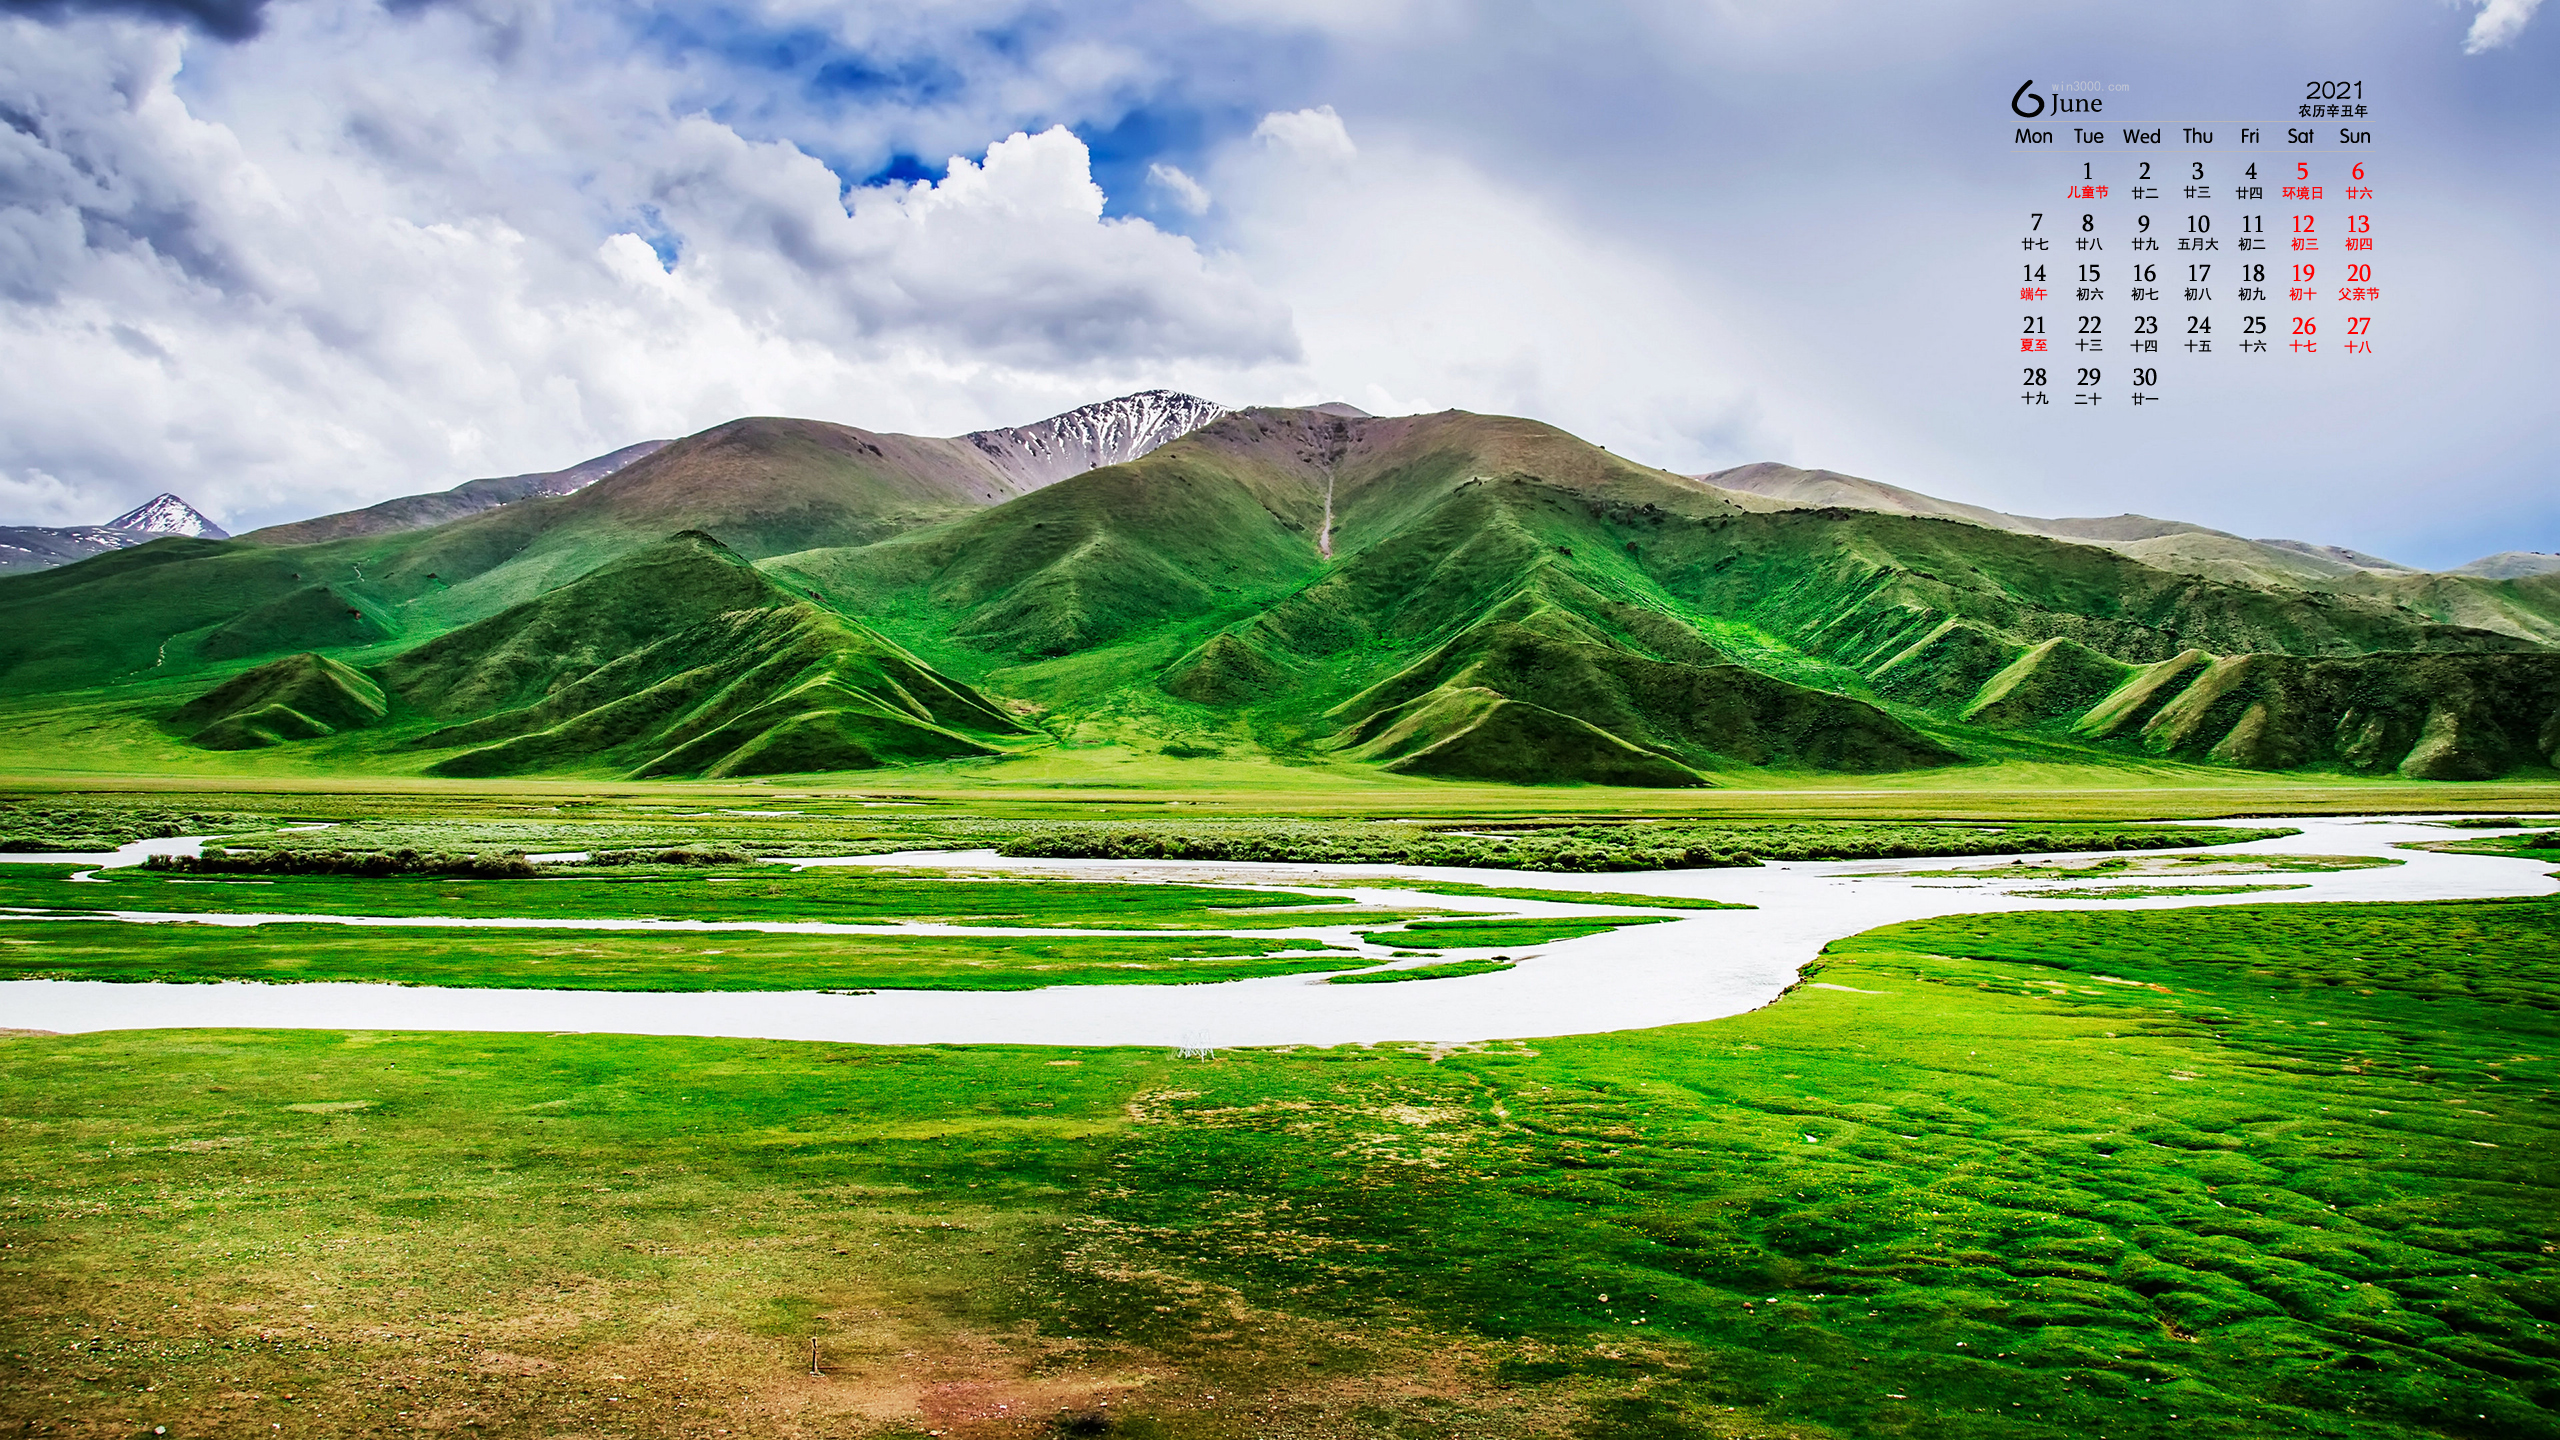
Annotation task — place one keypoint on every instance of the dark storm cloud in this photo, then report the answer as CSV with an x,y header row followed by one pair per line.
x,y
74,184
224,19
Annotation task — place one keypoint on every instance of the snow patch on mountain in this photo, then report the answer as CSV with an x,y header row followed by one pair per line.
x,y
166,514
41,547
1091,436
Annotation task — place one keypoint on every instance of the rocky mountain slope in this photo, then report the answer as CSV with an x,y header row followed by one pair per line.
x,y
41,547
416,512
805,468
1113,432
166,514
1026,457
762,485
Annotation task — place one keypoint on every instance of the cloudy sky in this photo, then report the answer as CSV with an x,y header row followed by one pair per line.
x,y
286,256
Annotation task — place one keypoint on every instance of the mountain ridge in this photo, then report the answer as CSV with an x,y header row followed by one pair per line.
x,y
1446,596
414,512
1821,488
166,514
41,547
2200,550
1447,522
2511,565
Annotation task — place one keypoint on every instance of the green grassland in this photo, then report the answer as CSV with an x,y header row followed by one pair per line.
x,y
1452,970
1486,934
1312,823
628,960
1109,785
830,895
38,827
1567,847
2277,1171
2540,845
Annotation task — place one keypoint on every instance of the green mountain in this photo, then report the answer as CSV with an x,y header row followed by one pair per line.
x,y
1468,596
2471,596
683,659
679,659
301,697
764,485
1452,595
1527,701
379,576
2427,717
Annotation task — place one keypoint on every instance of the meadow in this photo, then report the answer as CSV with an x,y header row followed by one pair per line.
x,y
2271,1170
1486,934
2259,1170
638,961
847,897
281,831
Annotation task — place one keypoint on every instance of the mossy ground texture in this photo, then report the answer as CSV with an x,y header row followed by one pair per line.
x,y
2247,1171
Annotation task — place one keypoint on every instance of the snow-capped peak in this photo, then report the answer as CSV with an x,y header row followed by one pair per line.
x,y
166,514
1110,432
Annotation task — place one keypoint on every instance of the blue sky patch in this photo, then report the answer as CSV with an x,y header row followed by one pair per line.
x,y
902,169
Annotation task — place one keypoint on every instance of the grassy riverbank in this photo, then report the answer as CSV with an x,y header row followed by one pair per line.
x,y
2276,1171
637,960
769,893
1029,800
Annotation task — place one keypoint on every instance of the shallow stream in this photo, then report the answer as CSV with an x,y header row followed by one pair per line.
x,y
1700,966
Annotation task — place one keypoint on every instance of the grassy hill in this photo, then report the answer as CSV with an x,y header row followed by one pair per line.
x,y
1452,595
172,606
1490,598
2519,599
301,697
1088,561
761,486
680,659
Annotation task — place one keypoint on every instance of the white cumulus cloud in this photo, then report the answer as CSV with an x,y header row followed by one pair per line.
x,y
1010,260
320,290
1317,134
2498,22
1187,194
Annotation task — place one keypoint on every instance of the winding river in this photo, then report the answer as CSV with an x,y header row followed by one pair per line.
x,y
1699,966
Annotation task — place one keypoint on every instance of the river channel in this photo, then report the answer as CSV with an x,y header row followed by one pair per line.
x,y
1698,966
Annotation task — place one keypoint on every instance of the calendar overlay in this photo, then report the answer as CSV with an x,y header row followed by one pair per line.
x,y
2157,256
